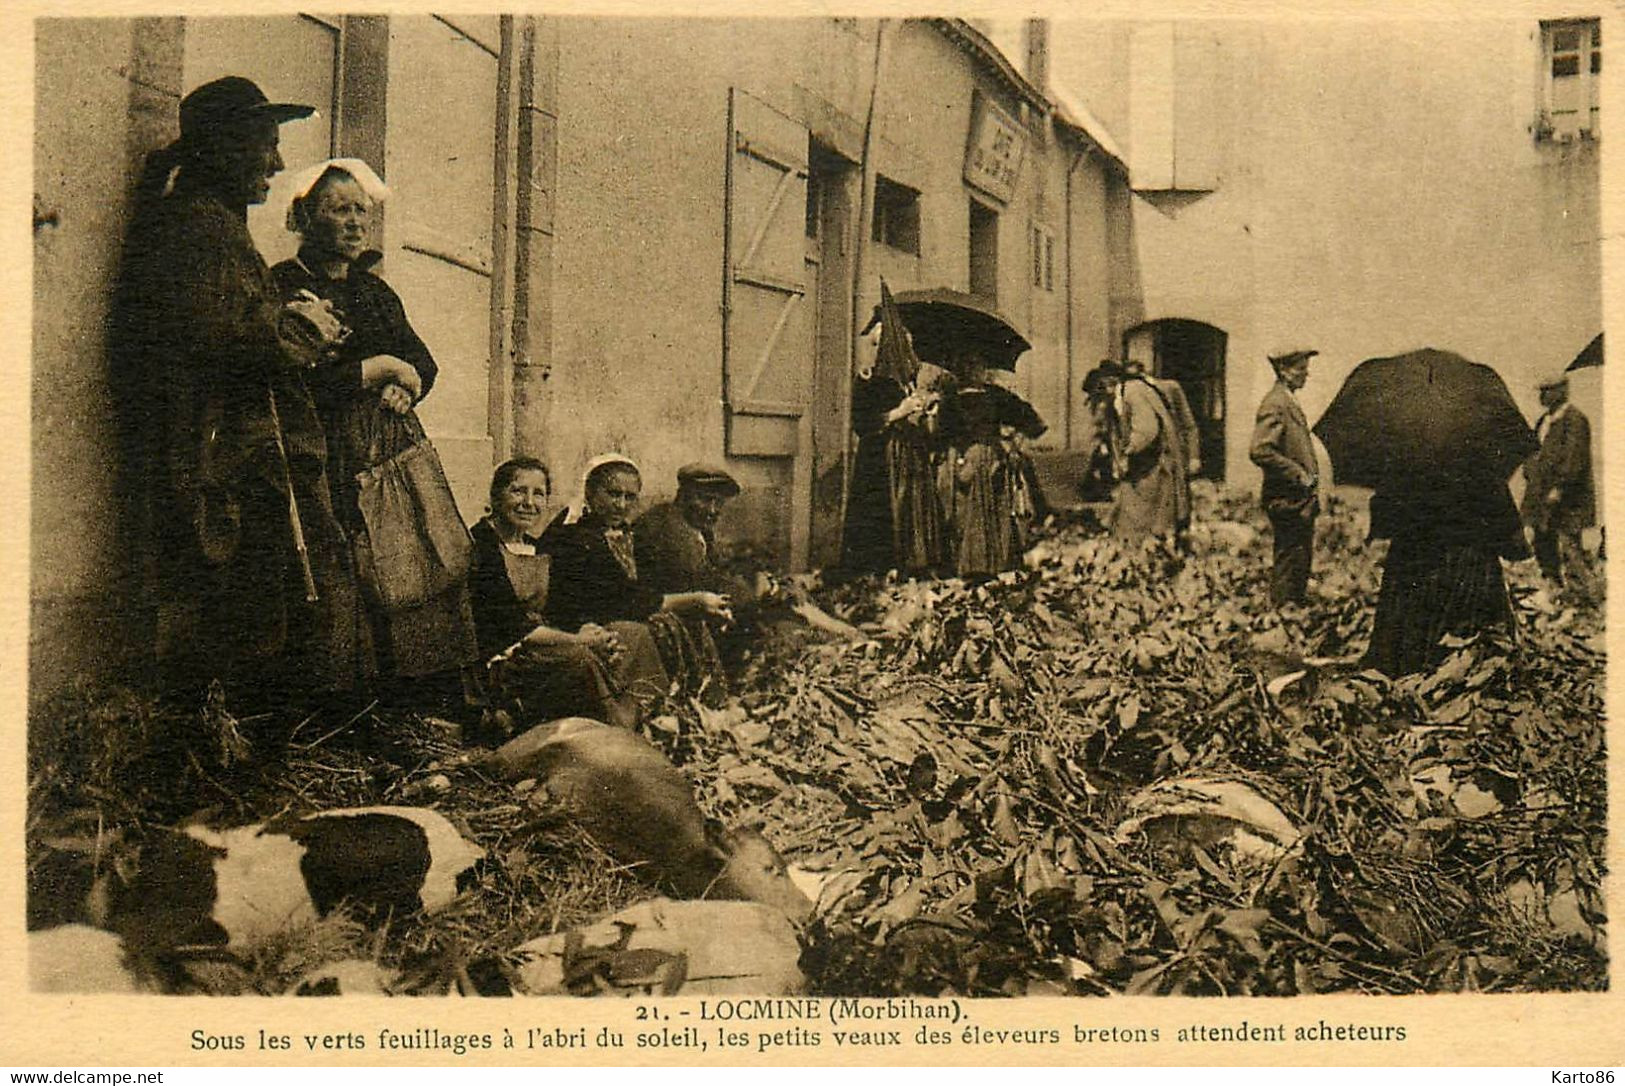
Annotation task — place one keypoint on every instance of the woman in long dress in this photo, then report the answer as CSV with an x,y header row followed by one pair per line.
x,y
1443,571
894,516
984,480
366,391
610,673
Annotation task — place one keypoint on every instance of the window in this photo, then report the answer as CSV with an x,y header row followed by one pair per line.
x,y
984,250
1571,76
897,216
1042,243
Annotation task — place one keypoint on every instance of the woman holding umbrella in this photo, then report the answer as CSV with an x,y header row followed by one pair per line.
x,y
984,485
1437,437
1443,570
893,511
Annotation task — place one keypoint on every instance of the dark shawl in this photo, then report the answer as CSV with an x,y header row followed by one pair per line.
x,y
587,583
500,617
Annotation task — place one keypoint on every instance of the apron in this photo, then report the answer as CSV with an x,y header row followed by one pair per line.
x,y
553,681
528,573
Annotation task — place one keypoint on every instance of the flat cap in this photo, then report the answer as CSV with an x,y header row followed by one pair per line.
x,y
706,477
1287,352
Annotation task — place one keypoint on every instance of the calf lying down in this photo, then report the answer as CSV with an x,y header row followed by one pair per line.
x,y
621,789
198,896
232,888
198,889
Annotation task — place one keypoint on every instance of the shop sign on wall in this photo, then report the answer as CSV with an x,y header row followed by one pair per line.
x,y
993,155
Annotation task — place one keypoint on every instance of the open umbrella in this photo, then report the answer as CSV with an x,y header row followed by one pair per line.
x,y
940,318
1591,356
1429,419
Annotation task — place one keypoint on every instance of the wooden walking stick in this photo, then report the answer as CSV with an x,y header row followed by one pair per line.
x,y
294,523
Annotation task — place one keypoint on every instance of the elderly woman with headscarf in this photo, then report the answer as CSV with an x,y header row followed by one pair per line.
x,y
253,576
595,578
606,672
365,389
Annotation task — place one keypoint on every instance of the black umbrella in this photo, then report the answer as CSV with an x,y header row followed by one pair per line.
x,y
1591,356
940,319
1424,420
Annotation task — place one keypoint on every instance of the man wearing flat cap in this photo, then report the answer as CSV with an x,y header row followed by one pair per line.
x,y
1559,501
675,541
1290,495
253,578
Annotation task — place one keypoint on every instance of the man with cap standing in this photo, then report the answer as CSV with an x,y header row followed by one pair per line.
x,y
675,541
1559,501
252,571
1290,495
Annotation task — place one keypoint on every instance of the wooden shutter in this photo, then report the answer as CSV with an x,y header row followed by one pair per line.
x,y
768,317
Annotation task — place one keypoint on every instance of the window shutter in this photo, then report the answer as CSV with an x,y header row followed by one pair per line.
x,y
768,318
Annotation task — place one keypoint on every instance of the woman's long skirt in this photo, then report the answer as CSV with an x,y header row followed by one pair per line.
x,y
916,508
547,682
984,516
1430,590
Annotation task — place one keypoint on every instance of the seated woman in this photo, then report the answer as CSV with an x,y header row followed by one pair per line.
x,y
366,390
607,673
595,579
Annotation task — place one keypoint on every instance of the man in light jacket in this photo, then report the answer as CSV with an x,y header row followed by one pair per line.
x,y
1559,499
1284,450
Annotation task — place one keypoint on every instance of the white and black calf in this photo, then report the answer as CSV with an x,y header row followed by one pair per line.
x,y
235,887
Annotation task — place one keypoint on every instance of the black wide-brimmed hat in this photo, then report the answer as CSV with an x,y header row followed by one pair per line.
x,y
227,102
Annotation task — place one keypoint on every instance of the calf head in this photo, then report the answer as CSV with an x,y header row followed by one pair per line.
x,y
751,869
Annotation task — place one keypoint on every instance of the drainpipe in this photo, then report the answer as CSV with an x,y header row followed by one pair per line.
x,y
1071,345
866,197
860,249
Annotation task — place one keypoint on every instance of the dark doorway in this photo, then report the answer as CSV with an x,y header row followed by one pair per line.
x,y
1193,354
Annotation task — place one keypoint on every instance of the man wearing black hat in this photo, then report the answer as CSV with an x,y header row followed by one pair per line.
x,y
676,542
253,580
1283,448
